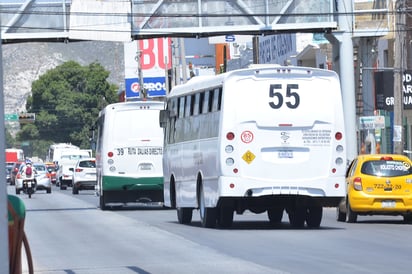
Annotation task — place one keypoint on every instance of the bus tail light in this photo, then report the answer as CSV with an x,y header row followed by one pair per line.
x,y
230,161
110,154
229,149
230,136
357,183
338,136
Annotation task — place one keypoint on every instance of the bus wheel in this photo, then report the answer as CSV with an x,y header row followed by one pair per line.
x,y
275,215
102,204
207,214
352,216
225,217
314,216
184,215
297,216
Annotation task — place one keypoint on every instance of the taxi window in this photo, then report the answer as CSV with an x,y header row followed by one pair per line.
x,y
386,168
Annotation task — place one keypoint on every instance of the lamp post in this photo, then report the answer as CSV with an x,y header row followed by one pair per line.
x,y
399,64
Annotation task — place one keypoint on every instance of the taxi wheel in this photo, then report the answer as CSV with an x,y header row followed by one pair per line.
x,y
407,218
352,216
340,216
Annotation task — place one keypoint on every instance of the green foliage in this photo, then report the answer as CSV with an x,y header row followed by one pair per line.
x,y
67,101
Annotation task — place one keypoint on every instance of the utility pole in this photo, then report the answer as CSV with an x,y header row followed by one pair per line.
x,y
4,222
400,65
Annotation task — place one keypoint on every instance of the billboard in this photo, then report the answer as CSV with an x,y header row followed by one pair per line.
x,y
384,98
154,57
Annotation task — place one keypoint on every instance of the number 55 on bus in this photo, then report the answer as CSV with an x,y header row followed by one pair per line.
x,y
265,139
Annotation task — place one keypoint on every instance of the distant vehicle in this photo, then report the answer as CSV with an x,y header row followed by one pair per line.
x,y
9,169
84,175
42,180
55,151
129,153
68,160
378,184
267,139
52,172
14,155
14,172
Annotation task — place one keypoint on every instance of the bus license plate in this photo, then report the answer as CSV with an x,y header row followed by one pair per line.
x,y
285,154
388,204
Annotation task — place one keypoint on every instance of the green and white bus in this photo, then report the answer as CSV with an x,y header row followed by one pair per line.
x,y
265,139
129,152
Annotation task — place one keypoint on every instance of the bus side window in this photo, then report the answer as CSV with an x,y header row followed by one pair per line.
x,y
181,107
210,100
192,104
188,105
205,104
217,97
196,103
201,99
173,107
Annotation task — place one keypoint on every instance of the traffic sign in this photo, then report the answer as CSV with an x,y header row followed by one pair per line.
x,y
11,117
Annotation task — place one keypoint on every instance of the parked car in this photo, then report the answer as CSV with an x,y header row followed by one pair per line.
x,y
84,175
378,184
43,182
14,172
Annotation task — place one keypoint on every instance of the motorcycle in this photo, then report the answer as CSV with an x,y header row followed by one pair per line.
x,y
29,186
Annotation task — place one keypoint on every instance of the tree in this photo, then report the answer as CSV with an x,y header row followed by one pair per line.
x,y
66,101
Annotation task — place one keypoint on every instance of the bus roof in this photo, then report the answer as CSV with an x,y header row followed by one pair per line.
x,y
133,104
206,82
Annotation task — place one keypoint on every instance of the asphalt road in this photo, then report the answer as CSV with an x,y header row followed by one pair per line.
x,y
70,234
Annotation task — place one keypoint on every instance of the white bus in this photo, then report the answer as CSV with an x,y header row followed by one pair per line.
x,y
55,151
259,139
129,153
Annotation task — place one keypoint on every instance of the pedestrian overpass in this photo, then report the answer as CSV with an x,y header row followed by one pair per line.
x,y
125,20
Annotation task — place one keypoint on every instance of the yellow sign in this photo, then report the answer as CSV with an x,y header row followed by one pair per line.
x,y
248,157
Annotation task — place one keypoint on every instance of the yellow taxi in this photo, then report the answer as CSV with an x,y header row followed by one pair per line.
x,y
377,184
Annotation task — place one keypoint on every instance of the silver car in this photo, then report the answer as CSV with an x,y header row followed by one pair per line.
x,y
43,182
84,175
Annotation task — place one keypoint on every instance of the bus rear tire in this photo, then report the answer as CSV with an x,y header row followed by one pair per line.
x,y
225,217
275,215
207,214
102,203
297,216
184,215
314,216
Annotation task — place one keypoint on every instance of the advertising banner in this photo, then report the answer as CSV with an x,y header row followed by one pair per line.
x,y
154,56
384,90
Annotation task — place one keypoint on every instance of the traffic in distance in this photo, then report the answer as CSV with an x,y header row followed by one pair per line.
x,y
267,139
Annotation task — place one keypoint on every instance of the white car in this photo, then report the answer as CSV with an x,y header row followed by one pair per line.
x,y
43,182
84,175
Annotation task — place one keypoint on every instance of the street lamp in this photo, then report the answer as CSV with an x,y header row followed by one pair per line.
x,y
399,64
